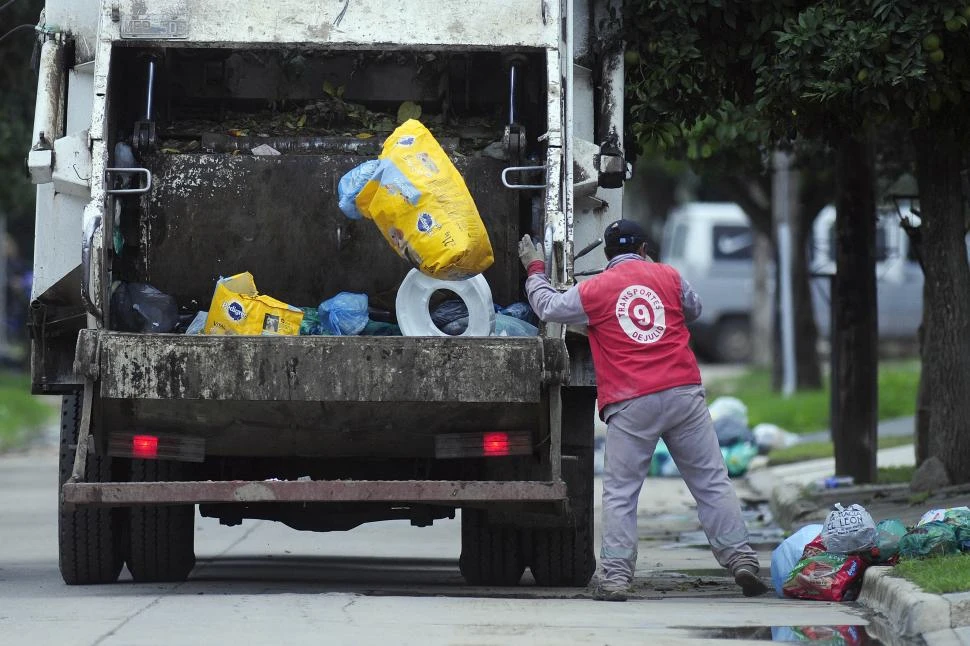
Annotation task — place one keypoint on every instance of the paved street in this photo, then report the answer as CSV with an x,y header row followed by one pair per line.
x,y
386,583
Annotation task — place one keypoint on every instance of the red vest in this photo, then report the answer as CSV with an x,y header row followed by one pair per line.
x,y
637,331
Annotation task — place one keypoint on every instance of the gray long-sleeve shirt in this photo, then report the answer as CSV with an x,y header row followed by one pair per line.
x,y
566,307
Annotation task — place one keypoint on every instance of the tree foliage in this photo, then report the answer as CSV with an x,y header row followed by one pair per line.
x,y
702,73
18,85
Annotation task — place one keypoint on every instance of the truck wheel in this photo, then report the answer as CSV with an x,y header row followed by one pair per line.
x,y
732,341
490,554
161,538
88,538
563,556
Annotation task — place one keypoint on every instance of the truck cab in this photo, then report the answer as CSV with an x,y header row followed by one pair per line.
x,y
148,122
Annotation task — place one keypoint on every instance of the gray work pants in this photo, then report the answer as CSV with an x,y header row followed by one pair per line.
x,y
680,416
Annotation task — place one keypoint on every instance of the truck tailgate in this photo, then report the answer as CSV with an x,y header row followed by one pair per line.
x,y
350,369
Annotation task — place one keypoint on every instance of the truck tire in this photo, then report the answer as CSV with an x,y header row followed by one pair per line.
x,y
161,538
563,556
732,341
490,554
88,538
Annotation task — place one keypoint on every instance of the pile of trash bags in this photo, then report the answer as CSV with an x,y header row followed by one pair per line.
x,y
238,308
739,443
826,562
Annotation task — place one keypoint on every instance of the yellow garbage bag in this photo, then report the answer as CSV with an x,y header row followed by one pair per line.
x,y
237,308
422,206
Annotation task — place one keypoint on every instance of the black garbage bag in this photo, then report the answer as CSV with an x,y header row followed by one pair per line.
x,y
139,307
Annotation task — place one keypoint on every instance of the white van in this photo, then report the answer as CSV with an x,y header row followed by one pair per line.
x,y
711,245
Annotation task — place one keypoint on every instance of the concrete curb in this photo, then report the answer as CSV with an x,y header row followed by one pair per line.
x,y
911,612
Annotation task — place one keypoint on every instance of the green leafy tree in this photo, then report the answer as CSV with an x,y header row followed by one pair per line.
x,y
18,86
838,72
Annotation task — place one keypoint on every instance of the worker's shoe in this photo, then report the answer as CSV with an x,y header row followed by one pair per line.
x,y
751,584
603,591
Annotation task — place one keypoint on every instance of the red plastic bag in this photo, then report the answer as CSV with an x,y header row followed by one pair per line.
x,y
814,548
826,577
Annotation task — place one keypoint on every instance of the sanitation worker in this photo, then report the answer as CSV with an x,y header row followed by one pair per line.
x,y
648,387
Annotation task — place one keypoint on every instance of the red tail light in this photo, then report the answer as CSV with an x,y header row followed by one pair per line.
x,y
495,444
160,446
144,446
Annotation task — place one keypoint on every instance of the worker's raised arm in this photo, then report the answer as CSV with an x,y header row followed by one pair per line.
x,y
549,304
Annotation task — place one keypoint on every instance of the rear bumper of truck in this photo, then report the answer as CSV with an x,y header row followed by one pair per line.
x,y
238,491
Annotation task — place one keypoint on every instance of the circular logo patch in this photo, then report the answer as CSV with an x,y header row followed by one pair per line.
x,y
640,313
425,222
235,310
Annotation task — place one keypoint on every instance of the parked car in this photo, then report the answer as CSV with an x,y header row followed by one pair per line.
x,y
711,244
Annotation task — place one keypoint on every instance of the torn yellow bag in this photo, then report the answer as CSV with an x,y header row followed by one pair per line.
x,y
237,308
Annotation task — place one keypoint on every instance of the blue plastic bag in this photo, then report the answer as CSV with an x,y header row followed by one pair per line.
x,y
521,311
351,184
787,555
344,315
511,326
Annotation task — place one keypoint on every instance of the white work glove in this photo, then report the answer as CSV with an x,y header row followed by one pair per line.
x,y
529,252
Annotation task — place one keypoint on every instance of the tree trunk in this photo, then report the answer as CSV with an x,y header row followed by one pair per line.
x,y
762,307
806,332
855,329
753,199
945,351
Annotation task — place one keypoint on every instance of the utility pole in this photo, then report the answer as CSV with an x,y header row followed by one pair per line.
x,y
781,207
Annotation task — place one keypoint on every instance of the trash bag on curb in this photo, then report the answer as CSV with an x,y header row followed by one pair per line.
x,y
769,437
953,515
729,407
786,556
139,307
826,577
731,430
737,457
344,315
935,538
888,535
848,530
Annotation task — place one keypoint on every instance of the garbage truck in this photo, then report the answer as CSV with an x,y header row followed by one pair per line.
x,y
150,119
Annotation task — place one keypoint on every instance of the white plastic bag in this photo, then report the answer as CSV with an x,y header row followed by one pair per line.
x,y
729,407
848,529
786,556
770,437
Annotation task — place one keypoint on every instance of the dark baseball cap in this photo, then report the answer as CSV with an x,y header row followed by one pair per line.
x,y
624,234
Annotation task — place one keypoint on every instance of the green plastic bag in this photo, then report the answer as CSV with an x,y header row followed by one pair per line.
x,y
738,456
888,535
935,538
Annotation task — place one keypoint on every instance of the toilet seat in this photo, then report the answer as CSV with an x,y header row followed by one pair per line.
x,y
414,295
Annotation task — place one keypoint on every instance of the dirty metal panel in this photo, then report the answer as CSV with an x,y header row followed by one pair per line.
x,y
454,492
374,369
358,23
277,217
